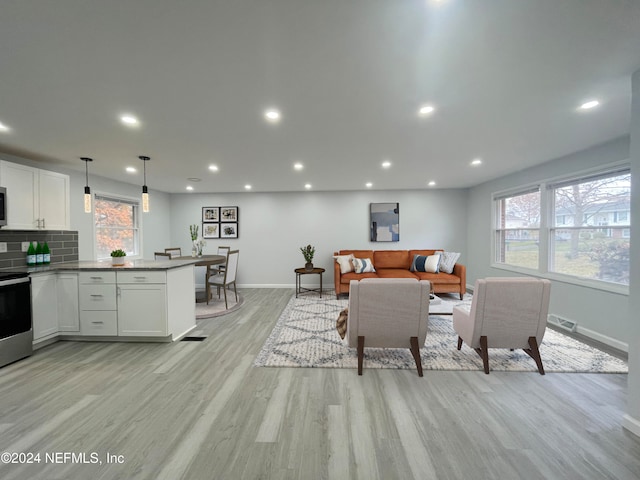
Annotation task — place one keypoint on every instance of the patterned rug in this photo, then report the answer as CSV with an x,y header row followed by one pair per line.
x,y
305,336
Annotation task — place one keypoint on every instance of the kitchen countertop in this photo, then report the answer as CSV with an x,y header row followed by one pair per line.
x,y
106,265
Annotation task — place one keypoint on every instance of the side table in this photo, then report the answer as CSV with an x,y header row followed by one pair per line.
x,y
304,271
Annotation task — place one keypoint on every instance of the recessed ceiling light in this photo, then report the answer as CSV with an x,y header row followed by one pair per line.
x,y
3,127
386,164
272,115
475,162
432,183
307,186
213,168
247,187
298,166
129,120
589,105
368,184
190,188
426,110
131,169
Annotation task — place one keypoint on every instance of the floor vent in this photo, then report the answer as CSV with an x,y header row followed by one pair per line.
x,y
563,323
194,339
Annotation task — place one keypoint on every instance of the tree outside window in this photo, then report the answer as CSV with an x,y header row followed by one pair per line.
x,y
117,226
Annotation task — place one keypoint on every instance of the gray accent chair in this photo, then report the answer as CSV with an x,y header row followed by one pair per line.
x,y
388,313
506,312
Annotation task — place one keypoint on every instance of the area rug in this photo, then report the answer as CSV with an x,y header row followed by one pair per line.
x,y
305,336
216,307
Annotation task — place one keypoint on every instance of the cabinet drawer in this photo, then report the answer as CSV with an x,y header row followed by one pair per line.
x,y
93,278
97,297
142,277
99,323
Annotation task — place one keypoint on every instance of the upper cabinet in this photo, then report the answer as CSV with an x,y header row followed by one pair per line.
x,y
36,199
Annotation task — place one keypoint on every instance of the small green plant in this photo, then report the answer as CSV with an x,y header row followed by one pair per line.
x,y
193,230
308,252
118,253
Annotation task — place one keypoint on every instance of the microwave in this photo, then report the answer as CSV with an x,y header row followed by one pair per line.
x,y
3,206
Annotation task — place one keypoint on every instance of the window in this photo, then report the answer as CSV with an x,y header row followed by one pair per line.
x,y
593,242
517,230
117,226
576,230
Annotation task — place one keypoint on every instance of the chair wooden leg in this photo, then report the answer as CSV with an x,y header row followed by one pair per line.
x,y
225,298
360,353
483,351
207,290
235,291
534,353
415,350
459,343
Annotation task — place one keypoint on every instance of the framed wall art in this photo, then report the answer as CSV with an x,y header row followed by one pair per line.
x,y
229,230
220,222
210,214
211,230
385,222
228,214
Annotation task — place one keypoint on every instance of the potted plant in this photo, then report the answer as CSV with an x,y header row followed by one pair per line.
x,y
307,253
117,257
193,231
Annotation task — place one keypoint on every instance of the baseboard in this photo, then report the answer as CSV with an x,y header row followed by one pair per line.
x,y
612,342
631,424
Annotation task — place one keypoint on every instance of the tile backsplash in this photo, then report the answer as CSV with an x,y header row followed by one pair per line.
x,y
62,243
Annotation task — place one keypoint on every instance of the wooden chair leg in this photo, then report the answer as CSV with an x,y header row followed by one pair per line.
x,y
483,351
225,298
235,291
459,343
415,351
534,353
360,353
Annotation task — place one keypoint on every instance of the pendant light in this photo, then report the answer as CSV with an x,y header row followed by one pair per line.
x,y
87,190
145,191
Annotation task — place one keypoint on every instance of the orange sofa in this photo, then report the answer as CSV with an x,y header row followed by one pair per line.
x,y
396,264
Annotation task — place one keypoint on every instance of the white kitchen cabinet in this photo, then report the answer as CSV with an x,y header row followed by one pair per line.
x,y
68,308
97,303
36,199
44,305
142,304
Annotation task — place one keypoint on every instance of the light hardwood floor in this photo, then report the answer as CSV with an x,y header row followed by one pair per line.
x,y
200,410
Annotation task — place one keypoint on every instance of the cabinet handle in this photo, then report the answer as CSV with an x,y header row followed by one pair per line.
x,y
95,278
43,225
97,323
140,278
95,295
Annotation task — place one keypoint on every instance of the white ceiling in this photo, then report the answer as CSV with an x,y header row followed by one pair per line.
x,y
506,78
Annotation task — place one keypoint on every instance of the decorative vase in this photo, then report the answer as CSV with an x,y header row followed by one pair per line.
x,y
193,251
117,261
308,266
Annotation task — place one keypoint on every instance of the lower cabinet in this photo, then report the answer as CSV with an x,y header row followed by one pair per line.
x,y
142,310
44,305
68,310
98,306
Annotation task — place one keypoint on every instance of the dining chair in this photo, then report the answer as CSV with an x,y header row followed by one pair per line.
x,y
222,250
161,256
173,251
225,278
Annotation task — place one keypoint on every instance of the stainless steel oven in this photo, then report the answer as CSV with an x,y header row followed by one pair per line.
x,y
16,332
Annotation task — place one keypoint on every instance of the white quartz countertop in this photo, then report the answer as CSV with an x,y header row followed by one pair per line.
x,y
106,265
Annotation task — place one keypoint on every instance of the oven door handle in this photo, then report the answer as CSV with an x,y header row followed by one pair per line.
x,y
14,281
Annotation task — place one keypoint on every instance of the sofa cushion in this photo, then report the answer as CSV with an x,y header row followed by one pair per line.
x,y
347,277
392,259
448,261
438,278
359,253
422,263
395,273
413,253
362,265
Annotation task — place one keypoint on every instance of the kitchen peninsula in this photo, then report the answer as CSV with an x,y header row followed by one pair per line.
x,y
144,300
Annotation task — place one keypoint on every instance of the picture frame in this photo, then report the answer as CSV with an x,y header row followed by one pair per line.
x,y
384,223
210,230
229,214
210,214
229,230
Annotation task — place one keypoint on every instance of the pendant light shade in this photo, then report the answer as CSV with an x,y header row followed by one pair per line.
x,y
87,190
145,190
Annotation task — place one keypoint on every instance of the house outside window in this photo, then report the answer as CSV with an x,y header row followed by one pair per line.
x,y
117,225
517,229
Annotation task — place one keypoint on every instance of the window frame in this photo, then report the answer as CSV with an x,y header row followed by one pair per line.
x,y
133,201
548,225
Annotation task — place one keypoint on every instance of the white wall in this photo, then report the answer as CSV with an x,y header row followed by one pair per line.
x,y
598,313
273,226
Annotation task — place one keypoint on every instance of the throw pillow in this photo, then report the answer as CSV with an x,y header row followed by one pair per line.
x,y
345,263
362,265
423,263
448,261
